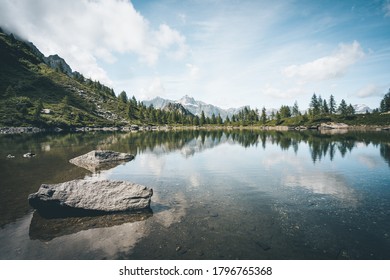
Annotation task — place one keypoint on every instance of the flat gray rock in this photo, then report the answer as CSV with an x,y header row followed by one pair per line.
x,y
100,160
105,196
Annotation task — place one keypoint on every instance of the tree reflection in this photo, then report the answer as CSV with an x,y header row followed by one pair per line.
x,y
320,146
385,152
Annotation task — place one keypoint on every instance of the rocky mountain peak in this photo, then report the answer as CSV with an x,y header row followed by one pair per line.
x,y
187,100
178,108
57,62
362,108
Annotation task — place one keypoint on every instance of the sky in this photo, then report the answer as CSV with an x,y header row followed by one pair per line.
x,y
225,52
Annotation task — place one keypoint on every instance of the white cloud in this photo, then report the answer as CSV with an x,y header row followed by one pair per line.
x,y
183,18
283,94
386,8
84,31
167,37
369,91
327,67
155,88
193,71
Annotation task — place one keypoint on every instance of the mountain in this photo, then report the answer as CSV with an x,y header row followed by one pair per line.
x,y
57,62
43,91
362,109
194,106
178,108
158,102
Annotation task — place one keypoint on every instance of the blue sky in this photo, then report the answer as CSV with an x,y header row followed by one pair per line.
x,y
228,53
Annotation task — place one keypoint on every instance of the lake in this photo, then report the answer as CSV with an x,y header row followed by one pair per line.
x,y
217,195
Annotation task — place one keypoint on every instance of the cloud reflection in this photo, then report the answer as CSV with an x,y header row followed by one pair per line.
x,y
325,183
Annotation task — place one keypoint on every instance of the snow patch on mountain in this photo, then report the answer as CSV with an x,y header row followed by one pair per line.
x,y
361,109
194,106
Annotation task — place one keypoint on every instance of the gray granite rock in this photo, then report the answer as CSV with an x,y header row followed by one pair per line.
x,y
100,159
87,195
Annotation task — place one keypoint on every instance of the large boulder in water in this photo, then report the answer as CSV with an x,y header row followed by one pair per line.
x,y
87,197
100,159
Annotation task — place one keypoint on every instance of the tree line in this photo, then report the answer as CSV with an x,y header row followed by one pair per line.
x,y
139,112
319,109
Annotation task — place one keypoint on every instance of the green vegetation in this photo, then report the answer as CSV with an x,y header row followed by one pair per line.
x,y
320,111
33,93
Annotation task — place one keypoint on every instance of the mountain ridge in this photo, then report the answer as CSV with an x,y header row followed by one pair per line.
x,y
31,82
197,106
194,106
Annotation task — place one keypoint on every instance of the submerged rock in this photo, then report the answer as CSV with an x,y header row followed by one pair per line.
x,y
29,155
80,197
100,160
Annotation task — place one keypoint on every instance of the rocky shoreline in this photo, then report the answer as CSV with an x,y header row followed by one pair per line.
x,y
30,129
319,127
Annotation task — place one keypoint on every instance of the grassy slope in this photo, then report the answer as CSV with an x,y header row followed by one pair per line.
x,y
32,80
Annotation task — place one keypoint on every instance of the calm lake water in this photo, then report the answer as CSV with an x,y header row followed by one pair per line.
x,y
217,195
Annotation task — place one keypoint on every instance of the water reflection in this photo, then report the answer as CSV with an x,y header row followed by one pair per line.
x,y
45,229
326,183
195,141
385,152
218,195
54,151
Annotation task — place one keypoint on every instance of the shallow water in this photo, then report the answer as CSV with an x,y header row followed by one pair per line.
x,y
217,195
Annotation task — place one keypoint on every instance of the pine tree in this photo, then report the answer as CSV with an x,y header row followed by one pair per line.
x,y
325,108
272,115
350,110
343,108
122,97
385,103
285,112
263,117
320,104
38,108
213,119
202,120
219,119
314,105
332,105
278,118
195,120
295,110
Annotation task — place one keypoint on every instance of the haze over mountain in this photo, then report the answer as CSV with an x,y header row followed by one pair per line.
x,y
362,109
194,106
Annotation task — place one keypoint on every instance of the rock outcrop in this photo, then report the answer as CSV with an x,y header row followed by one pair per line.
x,y
333,125
100,160
81,197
